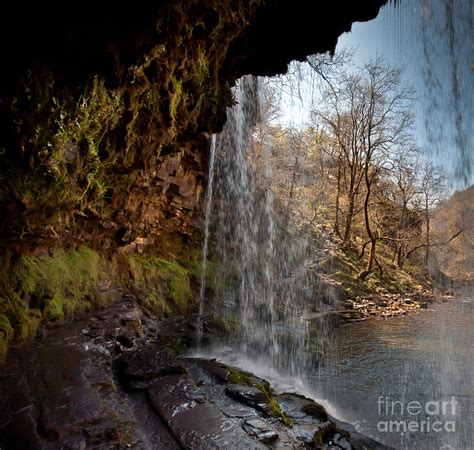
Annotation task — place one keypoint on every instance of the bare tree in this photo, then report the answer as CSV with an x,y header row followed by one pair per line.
x,y
339,119
403,193
432,187
369,114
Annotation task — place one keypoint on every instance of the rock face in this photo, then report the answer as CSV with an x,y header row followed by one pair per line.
x,y
112,380
106,110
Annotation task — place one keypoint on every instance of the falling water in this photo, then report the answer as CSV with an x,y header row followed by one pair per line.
x,y
264,287
263,277
447,42
207,217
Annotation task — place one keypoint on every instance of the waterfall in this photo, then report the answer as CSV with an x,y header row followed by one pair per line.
x,y
263,284
446,36
207,218
265,289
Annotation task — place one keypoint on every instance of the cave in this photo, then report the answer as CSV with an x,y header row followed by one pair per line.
x,y
111,117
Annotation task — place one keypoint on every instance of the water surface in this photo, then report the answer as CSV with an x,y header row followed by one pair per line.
x,y
425,357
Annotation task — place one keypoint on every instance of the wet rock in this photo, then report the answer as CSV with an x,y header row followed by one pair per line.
x,y
249,395
131,322
324,433
194,424
141,367
126,340
63,391
261,430
218,371
20,431
93,331
342,442
301,408
357,440
315,410
178,402
305,433
237,412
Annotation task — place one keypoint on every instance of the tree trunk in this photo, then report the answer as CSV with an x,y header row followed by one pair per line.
x,y
338,194
399,257
349,218
427,235
370,234
290,195
371,260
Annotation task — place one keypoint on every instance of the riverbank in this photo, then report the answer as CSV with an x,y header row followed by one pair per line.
x,y
392,293
117,379
390,305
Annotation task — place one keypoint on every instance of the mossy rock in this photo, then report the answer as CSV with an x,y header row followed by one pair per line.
x,y
325,432
156,305
228,324
48,288
6,335
22,319
211,278
236,376
54,309
239,377
165,285
315,410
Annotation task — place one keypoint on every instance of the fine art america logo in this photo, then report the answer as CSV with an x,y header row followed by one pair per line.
x,y
401,417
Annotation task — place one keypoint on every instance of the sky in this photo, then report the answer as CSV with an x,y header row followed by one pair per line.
x,y
433,41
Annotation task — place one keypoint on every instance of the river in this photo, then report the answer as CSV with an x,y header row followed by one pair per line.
x,y
400,370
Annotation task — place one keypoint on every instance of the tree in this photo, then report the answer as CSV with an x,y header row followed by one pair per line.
x,y
369,114
432,187
403,192
339,120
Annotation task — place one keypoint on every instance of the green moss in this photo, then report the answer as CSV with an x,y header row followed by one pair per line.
x,y
5,327
54,309
67,277
247,379
239,377
168,281
22,319
176,97
65,141
323,434
156,305
273,405
213,281
316,411
203,68
230,323
6,335
277,412
48,288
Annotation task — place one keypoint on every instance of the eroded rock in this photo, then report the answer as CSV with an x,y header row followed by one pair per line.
x,y
195,424
261,430
141,367
249,395
177,402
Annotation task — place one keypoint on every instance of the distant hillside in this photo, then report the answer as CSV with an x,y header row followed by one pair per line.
x,y
456,259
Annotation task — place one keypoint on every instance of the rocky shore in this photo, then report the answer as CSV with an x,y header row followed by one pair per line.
x,y
390,305
346,311
117,379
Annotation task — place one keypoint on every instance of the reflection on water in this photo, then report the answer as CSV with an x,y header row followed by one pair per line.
x,y
376,368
